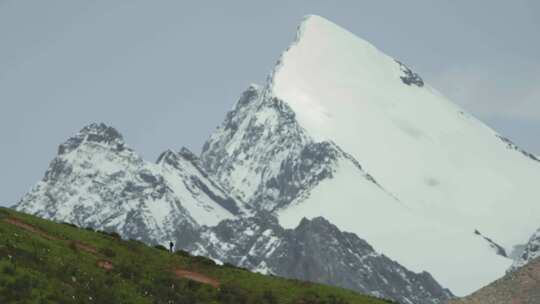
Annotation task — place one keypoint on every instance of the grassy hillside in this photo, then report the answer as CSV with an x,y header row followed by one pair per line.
x,y
47,262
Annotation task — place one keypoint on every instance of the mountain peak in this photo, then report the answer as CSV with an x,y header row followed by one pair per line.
x,y
93,132
317,29
326,57
311,20
317,20
166,156
102,130
425,152
172,157
186,153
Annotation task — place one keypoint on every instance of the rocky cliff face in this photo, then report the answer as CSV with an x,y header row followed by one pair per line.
x,y
343,259
261,154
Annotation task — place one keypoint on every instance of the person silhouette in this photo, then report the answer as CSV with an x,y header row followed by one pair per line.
x,y
171,246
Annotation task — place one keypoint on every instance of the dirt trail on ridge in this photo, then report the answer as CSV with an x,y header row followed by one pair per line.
x,y
181,273
80,245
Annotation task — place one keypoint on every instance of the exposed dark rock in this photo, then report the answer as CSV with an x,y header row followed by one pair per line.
x,y
277,141
98,133
498,248
409,77
510,145
342,258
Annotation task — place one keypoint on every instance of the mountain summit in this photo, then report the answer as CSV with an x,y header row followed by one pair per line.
x,y
94,132
344,131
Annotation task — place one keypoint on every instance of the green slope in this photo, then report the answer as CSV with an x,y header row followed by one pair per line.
x,y
47,262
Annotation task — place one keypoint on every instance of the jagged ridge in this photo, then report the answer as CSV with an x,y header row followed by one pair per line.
x,y
99,182
341,258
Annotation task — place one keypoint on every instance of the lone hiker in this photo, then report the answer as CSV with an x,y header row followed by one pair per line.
x,y
171,246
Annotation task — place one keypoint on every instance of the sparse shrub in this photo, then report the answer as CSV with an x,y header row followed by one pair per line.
x,y
9,270
183,253
108,252
229,265
232,294
102,232
134,245
161,247
268,297
70,224
24,257
332,299
57,296
137,242
111,234
105,291
313,298
115,235
129,269
166,288
89,229
73,246
203,260
4,211
18,291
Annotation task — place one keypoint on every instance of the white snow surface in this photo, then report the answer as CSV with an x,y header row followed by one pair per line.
x,y
93,188
201,207
450,173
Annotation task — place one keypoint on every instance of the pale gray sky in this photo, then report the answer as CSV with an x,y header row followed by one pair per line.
x,y
165,72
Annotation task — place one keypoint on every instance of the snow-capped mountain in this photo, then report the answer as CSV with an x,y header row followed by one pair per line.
x,y
97,181
343,131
